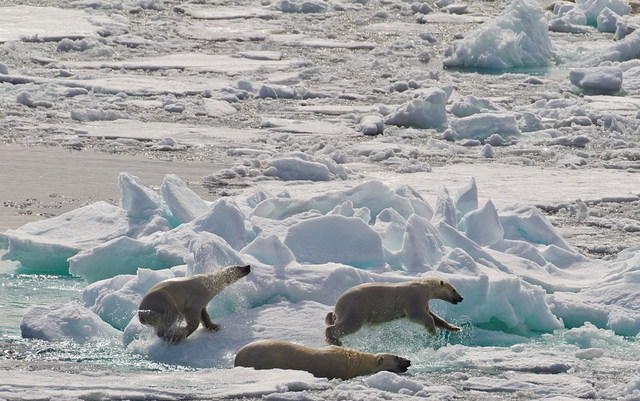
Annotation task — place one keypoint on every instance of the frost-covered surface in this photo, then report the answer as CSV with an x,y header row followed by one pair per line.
x,y
329,129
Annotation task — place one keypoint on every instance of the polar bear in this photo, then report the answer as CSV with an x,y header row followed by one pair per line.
x,y
187,297
330,362
376,303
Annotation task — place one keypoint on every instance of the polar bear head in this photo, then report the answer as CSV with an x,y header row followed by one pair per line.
x,y
392,363
444,290
231,274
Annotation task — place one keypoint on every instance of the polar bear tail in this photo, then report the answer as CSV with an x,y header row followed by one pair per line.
x,y
330,319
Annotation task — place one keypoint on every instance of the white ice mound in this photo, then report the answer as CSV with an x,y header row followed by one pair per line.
x,y
597,80
516,273
47,244
481,126
185,205
426,110
623,50
517,38
613,303
347,240
61,322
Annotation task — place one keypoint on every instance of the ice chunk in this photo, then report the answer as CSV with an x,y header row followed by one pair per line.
x,y
390,225
371,124
392,383
422,246
419,204
335,238
517,38
47,244
623,50
60,322
208,252
427,110
467,198
269,250
597,80
593,8
139,201
482,126
206,349
528,224
608,21
470,105
184,204
226,220
445,210
123,255
483,225
297,169
373,195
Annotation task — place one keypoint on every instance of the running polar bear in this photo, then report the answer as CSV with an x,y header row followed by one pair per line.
x,y
170,299
331,362
376,303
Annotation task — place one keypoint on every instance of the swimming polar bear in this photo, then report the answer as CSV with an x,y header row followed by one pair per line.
x,y
330,362
375,303
170,299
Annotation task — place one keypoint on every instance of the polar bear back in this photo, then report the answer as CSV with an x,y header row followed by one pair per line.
x,y
380,302
178,293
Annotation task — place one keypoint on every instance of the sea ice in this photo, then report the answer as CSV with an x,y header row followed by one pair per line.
x,y
50,24
483,125
517,38
597,80
61,322
623,50
514,270
426,110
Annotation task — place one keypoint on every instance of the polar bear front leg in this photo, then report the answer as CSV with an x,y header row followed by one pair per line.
x,y
423,317
441,323
206,321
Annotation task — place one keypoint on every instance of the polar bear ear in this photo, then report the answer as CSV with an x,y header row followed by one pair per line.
x,y
442,283
380,360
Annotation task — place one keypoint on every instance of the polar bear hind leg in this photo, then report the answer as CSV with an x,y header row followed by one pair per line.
x,y
342,326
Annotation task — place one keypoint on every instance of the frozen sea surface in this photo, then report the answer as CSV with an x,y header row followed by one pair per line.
x,y
294,128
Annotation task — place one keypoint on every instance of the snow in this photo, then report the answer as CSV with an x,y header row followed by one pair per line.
x,y
341,144
48,24
517,38
425,111
599,80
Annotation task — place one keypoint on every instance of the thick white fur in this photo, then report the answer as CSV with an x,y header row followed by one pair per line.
x,y
187,297
374,303
330,362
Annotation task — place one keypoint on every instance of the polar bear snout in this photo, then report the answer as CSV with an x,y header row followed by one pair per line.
x,y
403,364
457,299
244,270
392,363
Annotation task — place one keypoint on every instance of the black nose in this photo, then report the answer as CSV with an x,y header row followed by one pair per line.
x,y
246,269
404,364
